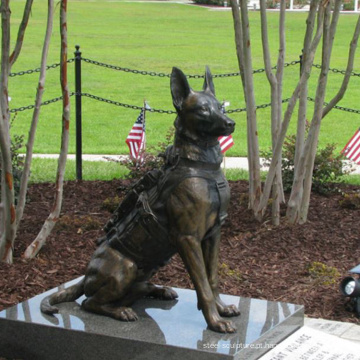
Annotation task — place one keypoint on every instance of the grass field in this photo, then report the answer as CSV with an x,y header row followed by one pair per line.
x,y
44,170
156,37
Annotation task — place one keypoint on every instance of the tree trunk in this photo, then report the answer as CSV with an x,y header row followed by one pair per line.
x,y
328,40
8,217
300,194
245,58
21,32
348,71
276,100
35,117
238,39
297,187
302,112
279,78
287,117
7,223
40,240
305,149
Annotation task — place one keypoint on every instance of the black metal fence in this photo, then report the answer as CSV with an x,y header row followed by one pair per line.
x,y
78,59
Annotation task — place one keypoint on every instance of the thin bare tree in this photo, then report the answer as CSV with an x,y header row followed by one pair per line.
x,y
243,50
275,81
298,206
11,215
35,117
50,222
325,14
7,204
7,229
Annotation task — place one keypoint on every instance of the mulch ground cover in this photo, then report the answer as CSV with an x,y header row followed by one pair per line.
x,y
300,264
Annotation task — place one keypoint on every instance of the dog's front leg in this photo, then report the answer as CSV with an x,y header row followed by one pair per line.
x,y
191,253
210,248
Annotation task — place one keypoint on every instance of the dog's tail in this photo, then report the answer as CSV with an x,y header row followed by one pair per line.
x,y
70,294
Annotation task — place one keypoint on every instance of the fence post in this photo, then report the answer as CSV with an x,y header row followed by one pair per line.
x,y
78,107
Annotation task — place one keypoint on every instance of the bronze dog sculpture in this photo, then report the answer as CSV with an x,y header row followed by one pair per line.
x,y
179,208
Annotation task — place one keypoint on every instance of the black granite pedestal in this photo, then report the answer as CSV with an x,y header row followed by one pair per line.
x,y
165,330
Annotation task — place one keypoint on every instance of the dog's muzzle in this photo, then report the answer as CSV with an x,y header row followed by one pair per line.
x,y
230,126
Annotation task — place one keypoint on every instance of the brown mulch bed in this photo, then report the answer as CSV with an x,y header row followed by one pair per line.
x,y
256,260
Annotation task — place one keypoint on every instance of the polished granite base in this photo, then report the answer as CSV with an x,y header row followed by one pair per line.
x,y
165,330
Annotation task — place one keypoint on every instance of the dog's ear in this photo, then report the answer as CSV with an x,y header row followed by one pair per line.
x,y
208,82
180,88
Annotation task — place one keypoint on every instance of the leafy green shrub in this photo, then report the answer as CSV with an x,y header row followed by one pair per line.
x,y
350,201
275,4
272,4
328,170
17,142
349,5
328,167
150,161
211,2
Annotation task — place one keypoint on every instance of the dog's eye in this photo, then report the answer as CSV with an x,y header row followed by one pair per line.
x,y
204,109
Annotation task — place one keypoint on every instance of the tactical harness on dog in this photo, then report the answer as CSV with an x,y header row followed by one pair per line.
x,y
140,229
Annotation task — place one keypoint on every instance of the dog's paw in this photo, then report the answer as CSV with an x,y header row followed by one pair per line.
x,y
126,314
228,310
223,326
169,293
164,293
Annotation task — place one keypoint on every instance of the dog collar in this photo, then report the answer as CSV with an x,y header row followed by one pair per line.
x,y
198,142
184,162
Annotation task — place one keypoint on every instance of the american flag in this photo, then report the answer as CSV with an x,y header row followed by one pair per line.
x,y
226,142
352,148
136,139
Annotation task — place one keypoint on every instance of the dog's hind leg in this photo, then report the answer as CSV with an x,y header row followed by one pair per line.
x,y
108,279
210,248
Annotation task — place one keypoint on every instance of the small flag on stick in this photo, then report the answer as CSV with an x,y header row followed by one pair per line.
x,y
136,139
352,148
226,142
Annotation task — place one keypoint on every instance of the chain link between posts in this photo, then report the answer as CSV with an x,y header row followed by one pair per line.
x,y
160,74
28,72
160,111
47,102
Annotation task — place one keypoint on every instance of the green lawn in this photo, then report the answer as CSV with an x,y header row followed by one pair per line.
x,y
156,37
44,170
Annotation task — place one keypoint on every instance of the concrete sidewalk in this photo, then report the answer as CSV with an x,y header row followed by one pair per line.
x,y
229,162
343,330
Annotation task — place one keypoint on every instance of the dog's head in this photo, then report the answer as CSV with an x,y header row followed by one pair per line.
x,y
200,114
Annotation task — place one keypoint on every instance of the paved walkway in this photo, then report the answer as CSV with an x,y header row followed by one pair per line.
x,y
343,330
229,162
